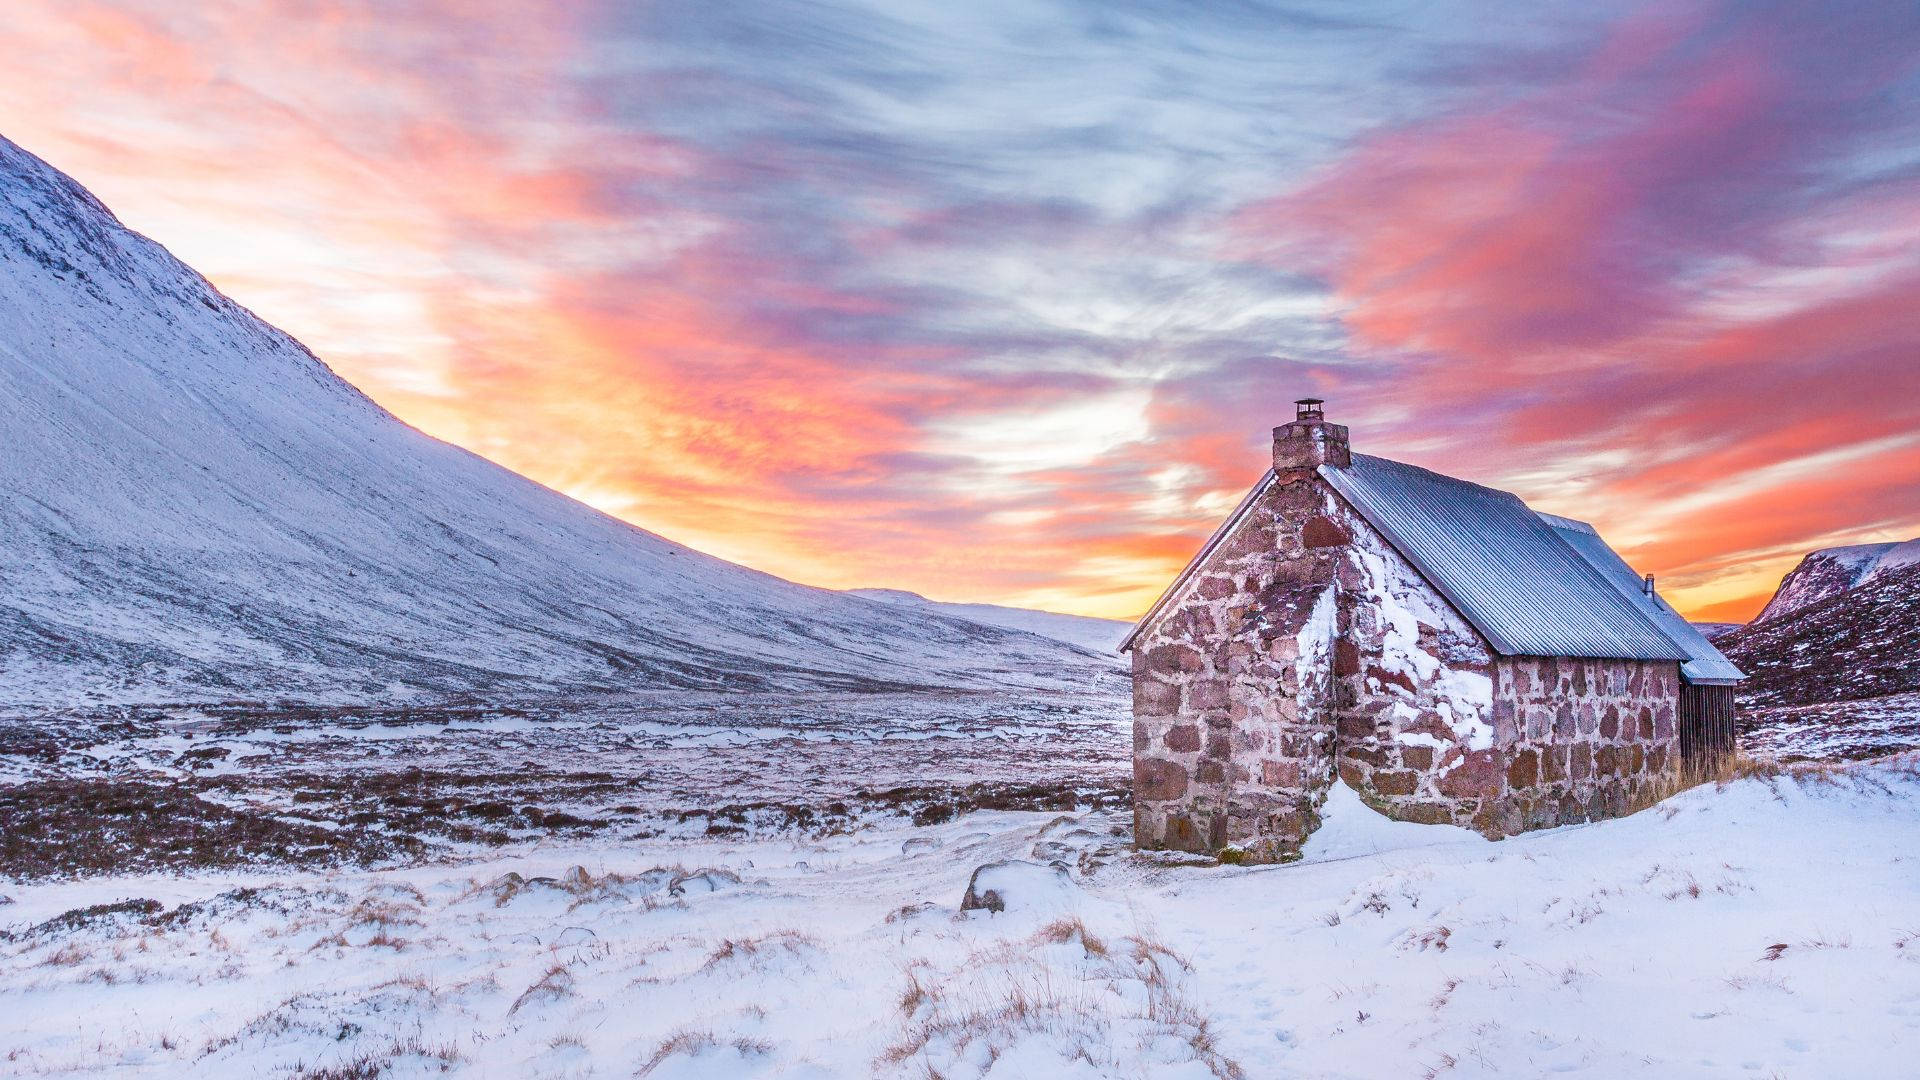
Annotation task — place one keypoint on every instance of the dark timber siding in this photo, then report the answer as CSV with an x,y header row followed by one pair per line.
x,y
1706,727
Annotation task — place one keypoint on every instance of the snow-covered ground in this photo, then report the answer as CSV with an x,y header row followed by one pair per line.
x,y
1767,928
1833,731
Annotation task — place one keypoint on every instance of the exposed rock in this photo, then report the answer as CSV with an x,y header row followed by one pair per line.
x,y
704,880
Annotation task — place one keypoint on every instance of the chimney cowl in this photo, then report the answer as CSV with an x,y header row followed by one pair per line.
x,y
1309,441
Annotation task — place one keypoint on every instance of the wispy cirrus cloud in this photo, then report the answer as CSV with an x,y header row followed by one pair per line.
x,y
1676,269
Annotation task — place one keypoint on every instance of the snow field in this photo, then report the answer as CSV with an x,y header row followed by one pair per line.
x,y
1767,928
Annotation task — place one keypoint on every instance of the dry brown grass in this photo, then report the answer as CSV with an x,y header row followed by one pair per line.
x,y
1742,767
374,911
1061,931
381,939
556,984
915,995
1439,1001
689,1042
364,1067
68,955
1003,995
756,949
1872,774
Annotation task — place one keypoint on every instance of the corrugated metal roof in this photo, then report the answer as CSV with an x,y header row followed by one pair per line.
x,y
1508,572
1705,663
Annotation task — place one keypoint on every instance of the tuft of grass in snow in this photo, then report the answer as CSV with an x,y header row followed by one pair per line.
x,y
1103,1006
753,950
1061,931
689,1042
1423,938
556,984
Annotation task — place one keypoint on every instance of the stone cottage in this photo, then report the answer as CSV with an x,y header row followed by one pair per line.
x,y
1449,653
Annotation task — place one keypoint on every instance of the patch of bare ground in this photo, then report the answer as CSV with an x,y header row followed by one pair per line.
x,y
77,828
929,805
463,807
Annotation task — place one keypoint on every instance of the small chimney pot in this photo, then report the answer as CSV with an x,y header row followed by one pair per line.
x,y
1310,442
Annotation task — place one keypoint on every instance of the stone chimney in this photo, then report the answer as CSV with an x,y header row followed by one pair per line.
x,y
1310,442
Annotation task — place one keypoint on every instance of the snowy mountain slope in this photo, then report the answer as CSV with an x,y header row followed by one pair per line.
x,y
1860,643
196,508
1096,635
1830,571
1899,557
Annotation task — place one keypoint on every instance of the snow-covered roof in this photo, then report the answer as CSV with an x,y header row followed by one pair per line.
x,y
1519,580
1705,664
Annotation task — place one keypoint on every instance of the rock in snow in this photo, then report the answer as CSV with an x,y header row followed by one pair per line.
x,y
1018,886
199,510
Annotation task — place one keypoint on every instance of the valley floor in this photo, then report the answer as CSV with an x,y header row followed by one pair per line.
x,y
1770,927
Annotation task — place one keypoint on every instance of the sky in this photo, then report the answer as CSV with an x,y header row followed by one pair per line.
x,y
1000,301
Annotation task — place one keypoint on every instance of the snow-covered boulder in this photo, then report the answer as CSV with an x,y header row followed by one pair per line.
x,y
1016,885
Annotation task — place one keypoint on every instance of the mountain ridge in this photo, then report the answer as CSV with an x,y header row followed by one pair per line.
x,y
199,509
1827,572
1855,644
1097,635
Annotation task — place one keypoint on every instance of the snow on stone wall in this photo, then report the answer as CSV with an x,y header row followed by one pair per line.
x,y
1417,689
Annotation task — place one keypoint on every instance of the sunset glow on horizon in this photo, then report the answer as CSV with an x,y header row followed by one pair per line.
x,y
998,302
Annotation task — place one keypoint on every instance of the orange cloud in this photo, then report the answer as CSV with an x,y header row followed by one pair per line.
x,y
1655,290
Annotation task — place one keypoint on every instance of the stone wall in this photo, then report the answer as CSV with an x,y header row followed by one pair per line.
x,y
1232,686
1583,740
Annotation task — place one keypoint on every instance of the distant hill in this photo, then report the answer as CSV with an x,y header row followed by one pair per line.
x,y
1862,642
1831,571
1096,635
197,509
1714,631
